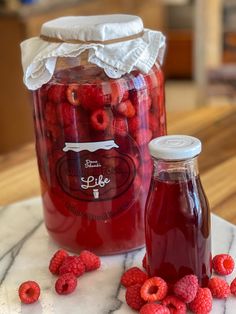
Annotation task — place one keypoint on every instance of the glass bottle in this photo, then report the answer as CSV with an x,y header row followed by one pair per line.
x,y
177,218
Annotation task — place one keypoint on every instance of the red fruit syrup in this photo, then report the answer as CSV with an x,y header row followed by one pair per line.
x,y
177,223
93,159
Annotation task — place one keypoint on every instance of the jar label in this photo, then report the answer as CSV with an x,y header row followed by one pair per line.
x,y
95,171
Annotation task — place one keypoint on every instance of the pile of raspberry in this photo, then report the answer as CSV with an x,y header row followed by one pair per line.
x,y
153,296
67,268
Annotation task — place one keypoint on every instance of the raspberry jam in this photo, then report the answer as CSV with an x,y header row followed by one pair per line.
x,y
177,223
94,164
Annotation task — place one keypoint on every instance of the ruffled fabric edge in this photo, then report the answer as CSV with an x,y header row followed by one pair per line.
x,y
39,57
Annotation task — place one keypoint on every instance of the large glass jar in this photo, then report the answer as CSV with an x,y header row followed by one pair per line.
x,y
98,94
91,141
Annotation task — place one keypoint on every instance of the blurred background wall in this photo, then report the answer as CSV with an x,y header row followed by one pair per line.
x,y
201,50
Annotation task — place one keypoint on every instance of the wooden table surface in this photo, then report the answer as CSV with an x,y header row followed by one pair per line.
x,y
215,126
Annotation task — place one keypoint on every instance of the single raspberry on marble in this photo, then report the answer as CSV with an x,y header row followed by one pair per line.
x,y
186,288
90,260
126,109
175,305
57,93
223,264
66,283
29,292
154,308
72,264
154,289
72,94
202,304
133,276
233,287
99,120
57,260
133,297
219,288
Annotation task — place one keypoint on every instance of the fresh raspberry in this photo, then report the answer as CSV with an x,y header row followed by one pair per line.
x,y
66,114
72,264
72,94
186,288
120,126
144,262
99,120
29,292
154,289
126,109
223,264
233,287
66,283
91,96
57,93
133,276
133,297
143,136
154,308
219,288
175,305
57,260
202,304
90,260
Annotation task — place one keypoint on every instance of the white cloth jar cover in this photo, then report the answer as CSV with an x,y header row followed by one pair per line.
x,y
117,43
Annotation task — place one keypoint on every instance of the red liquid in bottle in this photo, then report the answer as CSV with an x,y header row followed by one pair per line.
x,y
178,228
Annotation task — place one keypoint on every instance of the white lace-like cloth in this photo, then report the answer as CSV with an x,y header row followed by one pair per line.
x,y
39,56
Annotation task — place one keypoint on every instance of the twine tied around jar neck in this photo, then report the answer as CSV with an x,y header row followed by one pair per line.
x,y
103,42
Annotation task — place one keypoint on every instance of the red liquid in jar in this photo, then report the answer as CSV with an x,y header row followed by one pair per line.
x,y
178,229
95,199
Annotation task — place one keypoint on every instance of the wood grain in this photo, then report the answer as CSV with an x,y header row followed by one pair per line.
x,y
215,126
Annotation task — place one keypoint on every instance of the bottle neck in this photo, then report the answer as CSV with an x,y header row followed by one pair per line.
x,y
175,170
